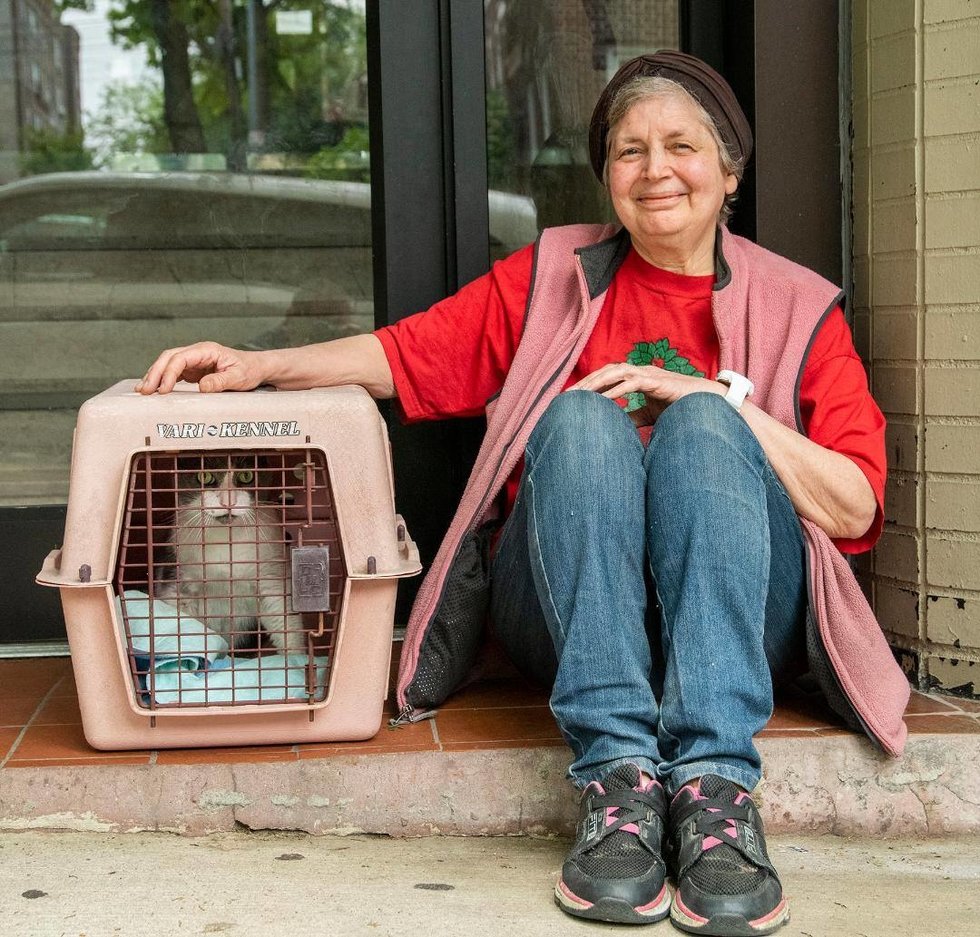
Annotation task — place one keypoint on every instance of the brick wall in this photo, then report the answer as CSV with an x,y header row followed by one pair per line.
x,y
916,110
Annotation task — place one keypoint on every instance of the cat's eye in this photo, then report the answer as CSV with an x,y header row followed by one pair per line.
x,y
244,478
206,478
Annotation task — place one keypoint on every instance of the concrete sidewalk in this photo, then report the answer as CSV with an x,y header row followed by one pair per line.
x,y
278,884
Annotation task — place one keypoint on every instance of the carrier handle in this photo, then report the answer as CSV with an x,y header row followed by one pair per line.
x,y
410,564
51,574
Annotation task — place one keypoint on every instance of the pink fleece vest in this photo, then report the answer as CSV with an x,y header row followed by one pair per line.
x,y
766,311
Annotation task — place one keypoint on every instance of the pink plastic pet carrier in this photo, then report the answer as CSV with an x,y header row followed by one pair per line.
x,y
229,567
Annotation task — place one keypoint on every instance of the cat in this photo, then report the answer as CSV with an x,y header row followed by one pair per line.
x,y
227,563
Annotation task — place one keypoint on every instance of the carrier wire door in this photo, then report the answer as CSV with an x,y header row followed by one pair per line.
x,y
242,545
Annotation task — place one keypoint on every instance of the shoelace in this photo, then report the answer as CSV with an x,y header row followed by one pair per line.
x,y
718,819
715,809
633,806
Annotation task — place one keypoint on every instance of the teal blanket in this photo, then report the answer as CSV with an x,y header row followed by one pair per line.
x,y
181,661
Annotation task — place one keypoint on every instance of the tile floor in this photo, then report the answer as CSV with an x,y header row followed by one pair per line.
x,y
40,723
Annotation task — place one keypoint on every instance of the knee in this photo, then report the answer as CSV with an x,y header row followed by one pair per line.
x,y
702,419
704,427
582,419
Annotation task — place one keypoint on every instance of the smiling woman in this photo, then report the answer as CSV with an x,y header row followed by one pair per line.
x,y
681,442
667,180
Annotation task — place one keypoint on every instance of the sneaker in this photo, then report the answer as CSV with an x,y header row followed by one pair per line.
x,y
726,885
615,871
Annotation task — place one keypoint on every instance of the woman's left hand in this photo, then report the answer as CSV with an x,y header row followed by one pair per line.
x,y
659,387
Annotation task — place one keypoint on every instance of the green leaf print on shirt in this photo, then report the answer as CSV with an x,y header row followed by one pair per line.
x,y
661,355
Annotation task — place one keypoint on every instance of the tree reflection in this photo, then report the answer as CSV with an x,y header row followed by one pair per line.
x,y
302,97
264,84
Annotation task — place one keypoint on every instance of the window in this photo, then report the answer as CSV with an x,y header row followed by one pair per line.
x,y
546,64
218,188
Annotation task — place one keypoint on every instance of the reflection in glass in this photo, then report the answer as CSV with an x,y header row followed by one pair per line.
x,y
547,62
170,170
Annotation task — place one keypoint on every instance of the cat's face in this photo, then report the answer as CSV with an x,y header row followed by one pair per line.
x,y
222,489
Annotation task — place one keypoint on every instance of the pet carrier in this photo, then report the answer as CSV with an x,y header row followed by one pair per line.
x,y
229,567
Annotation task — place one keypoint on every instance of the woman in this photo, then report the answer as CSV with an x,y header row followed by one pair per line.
x,y
675,518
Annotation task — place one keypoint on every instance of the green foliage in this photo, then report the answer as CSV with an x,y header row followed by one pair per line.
x,y
131,23
311,87
347,160
129,121
501,148
314,82
50,151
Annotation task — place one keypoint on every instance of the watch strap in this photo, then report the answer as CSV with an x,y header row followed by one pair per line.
x,y
739,387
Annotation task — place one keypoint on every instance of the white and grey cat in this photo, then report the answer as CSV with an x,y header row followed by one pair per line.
x,y
228,565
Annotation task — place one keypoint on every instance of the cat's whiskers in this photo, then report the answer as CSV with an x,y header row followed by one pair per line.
x,y
192,518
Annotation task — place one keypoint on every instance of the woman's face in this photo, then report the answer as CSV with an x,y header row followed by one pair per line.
x,y
665,176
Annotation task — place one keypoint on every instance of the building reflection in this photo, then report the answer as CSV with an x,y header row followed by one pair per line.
x,y
40,101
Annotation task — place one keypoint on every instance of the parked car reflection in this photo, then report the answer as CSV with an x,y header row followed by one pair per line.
x,y
127,264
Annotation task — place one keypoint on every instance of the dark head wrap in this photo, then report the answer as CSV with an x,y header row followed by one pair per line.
x,y
707,87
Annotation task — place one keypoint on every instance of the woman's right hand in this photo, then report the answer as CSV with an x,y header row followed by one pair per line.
x,y
211,366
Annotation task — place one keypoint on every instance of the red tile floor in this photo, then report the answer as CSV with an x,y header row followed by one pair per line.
x,y
40,723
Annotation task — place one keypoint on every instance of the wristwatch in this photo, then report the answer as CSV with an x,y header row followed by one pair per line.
x,y
739,387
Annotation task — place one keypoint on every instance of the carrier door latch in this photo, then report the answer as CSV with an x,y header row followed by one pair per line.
x,y
311,579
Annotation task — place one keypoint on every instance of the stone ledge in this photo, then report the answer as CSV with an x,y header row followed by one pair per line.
x,y
835,784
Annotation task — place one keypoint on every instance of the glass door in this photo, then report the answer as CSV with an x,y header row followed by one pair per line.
x,y
169,172
172,170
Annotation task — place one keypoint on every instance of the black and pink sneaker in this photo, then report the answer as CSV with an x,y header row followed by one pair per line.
x,y
726,885
615,871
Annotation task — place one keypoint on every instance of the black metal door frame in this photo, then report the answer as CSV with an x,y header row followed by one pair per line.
x,y
431,219
783,63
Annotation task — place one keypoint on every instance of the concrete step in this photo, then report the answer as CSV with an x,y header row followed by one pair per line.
x,y
491,762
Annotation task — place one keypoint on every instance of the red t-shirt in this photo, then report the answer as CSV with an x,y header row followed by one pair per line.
x,y
449,360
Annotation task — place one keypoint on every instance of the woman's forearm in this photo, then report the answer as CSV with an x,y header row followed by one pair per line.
x,y
359,359
824,486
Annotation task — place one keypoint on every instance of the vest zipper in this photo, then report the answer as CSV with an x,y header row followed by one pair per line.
x,y
407,714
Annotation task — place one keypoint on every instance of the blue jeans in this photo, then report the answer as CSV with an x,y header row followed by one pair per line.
x,y
657,590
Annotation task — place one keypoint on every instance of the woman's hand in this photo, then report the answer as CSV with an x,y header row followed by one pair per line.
x,y
826,487
357,359
659,387
212,366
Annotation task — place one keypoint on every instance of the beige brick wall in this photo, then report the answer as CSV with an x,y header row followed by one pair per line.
x,y
916,116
